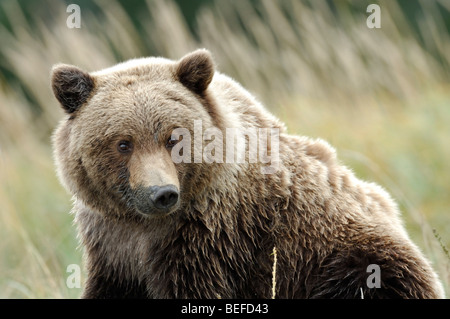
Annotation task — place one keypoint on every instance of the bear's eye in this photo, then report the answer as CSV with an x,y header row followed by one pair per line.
x,y
124,147
171,142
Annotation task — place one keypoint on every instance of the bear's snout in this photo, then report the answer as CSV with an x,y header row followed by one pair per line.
x,y
156,199
165,197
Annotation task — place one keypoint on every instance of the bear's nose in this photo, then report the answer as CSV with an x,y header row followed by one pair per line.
x,y
164,197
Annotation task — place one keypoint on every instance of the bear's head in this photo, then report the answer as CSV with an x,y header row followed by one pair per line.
x,y
113,149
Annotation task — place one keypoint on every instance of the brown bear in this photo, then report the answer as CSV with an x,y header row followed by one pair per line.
x,y
160,221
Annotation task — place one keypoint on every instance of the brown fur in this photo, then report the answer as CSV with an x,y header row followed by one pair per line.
x,y
327,225
71,86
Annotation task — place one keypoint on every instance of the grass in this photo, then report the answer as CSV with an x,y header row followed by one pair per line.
x,y
274,273
380,96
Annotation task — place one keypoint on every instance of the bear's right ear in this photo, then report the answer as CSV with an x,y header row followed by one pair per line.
x,y
71,86
196,70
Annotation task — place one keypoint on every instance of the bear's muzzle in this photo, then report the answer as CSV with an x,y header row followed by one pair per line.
x,y
156,200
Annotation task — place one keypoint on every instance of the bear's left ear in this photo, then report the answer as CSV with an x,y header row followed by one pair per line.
x,y
71,86
196,70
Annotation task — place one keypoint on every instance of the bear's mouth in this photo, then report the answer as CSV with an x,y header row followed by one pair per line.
x,y
156,200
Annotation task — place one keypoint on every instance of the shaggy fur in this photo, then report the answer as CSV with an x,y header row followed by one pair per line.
x,y
326,225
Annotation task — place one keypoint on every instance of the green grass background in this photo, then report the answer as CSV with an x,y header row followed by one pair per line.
x,y
380,96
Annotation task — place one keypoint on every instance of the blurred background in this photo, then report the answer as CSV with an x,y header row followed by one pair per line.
x,y
381,96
